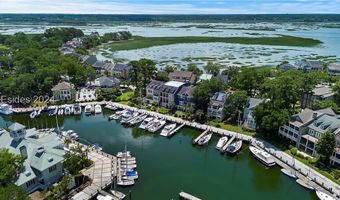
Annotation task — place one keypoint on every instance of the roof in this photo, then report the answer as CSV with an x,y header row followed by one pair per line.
x,y
309,64
334,66
120,67
183,76
187,90
154,84
253,102
98,64
105,81
206,76
323,90
62,86
16,126
89,59
174,84
307,115
326,123
219,96
287,66
310,138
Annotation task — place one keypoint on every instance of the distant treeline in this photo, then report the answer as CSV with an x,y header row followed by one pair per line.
x,y
86,19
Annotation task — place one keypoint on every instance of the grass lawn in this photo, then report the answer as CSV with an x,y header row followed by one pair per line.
x,y
125,96
138,42
3,47
230,127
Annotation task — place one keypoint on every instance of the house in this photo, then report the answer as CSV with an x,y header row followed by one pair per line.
x,y
223,78
42,153
305,129
216,105
309,66
89,59
103,66
286,67
63,91
205,77
185,97
334,69
163,94
106,82
86,94
248,118
321,92
120,70
183,76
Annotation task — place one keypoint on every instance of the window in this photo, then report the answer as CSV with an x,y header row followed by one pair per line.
x,y
53,168
29,183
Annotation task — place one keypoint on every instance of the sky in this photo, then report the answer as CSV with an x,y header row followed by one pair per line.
x,y
170,6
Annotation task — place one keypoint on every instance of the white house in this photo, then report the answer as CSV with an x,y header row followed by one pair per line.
x,y
63,91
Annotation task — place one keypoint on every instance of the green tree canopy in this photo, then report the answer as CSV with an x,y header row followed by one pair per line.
x,y
325,146
205,90
235,104
10,165
212,68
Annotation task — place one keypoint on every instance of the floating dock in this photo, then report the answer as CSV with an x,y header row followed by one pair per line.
x,y
187,196
200,136
228,143
175,130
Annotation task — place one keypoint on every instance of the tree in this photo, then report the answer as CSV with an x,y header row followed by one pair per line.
x,y
11,191
161,76
62,188
317,105
10,164
235,104
231,71
76,160
336,90
325,146
169,69
205,90
148,70
193,68
212,68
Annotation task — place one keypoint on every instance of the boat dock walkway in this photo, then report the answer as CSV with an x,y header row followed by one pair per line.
x,y
228,143
200,136
104,193
175,130
187,196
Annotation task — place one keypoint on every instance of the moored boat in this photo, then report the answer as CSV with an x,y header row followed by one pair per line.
x,y
205,139
221,142
6,109
234,147
146,122
118,194
158,124
125,182
33,114
67,110
262,156
288,173
305,184
97,147
123,154
167,129
88,109
97,109
324,196
77,109
137,120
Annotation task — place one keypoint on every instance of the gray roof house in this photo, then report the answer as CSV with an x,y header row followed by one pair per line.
x,y
309,66
216,105
248,118
334,69
120,70
42,153
286,67
106,82
63,91
321,92
185,97
183,76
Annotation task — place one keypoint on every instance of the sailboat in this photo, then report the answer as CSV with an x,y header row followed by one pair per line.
x,y
123,181
236,145
221,142
305,182
290,173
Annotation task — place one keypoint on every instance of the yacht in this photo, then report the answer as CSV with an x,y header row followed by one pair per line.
x,y
70,134
234,147
39,112
123,154
117,115
52,110
77,109
221,142
61,110
137,120
67,110
33,114
125,182
5,109
127,118
118,194
288,173
130,175
167,129
205,139
97,109
97,147
262,156
88,109
324,196
157,125
72,109
305,184
146,122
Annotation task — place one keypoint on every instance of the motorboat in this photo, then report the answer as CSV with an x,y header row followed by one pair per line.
x,y
117,115
146,122
88,109
97,109
127,118
77,109
118,194
156,125
72,109
123,154
205,139
106,197
127,162
262,156
125,182
128,167
70,134
221,142
61,110
39,112
97,147
33,114
67,110
55,111
305,184
6,109
137,120
234,147
324,196
167,129
289,173
52,110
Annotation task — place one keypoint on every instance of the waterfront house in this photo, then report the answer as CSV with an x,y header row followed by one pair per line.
x,y
309,66
183,76
321,92
86,94
286,67
185,97
216,106
305,129
120,70
106,82
153,92
334,69
249,121
42,153
63,91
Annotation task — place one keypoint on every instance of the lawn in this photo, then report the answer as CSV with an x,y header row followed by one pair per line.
x,y
125,97
138,42
230,127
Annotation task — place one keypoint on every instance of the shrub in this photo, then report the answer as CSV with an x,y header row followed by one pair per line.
x,y
312,161
293,151
300,155
218,125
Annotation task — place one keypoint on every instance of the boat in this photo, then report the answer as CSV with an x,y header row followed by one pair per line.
x,y
118,194
6,109
125,182
146,122
158,124
77,109
137,120
131,173
51,110
262,156
61,110
55,111
101,197
97,109
167,129
70,134
72,109
221,142
67,110
88,109
33,114
324,196
305,184
128,117
288,173
39,112
129,162
234,147
128,167
123,154
205,139
97,147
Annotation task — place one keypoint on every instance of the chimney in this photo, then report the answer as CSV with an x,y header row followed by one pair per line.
x,y
315,115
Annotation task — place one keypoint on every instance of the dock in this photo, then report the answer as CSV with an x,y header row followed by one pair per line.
x,y
104,193
200,136
175,130
187,196
228,143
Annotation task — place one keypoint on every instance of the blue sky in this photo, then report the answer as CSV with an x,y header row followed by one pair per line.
x,y
170,6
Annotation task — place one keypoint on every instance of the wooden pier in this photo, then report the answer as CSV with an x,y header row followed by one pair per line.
x,y
200,136
187,196
175,130
228,143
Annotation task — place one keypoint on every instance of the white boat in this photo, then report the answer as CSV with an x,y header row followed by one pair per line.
x,y
137,120
97,109
288,173
5,109
125,182
123,154
234,147
52,110
156,125
324,196
39,112
205,139
88,109
33,114
127,162
146,122
127,118
101,197
128,167
67,110
77,109
118,194
221,142
70,134
72,109
55,112
167,129
61,110
97,147
305,184
262,156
